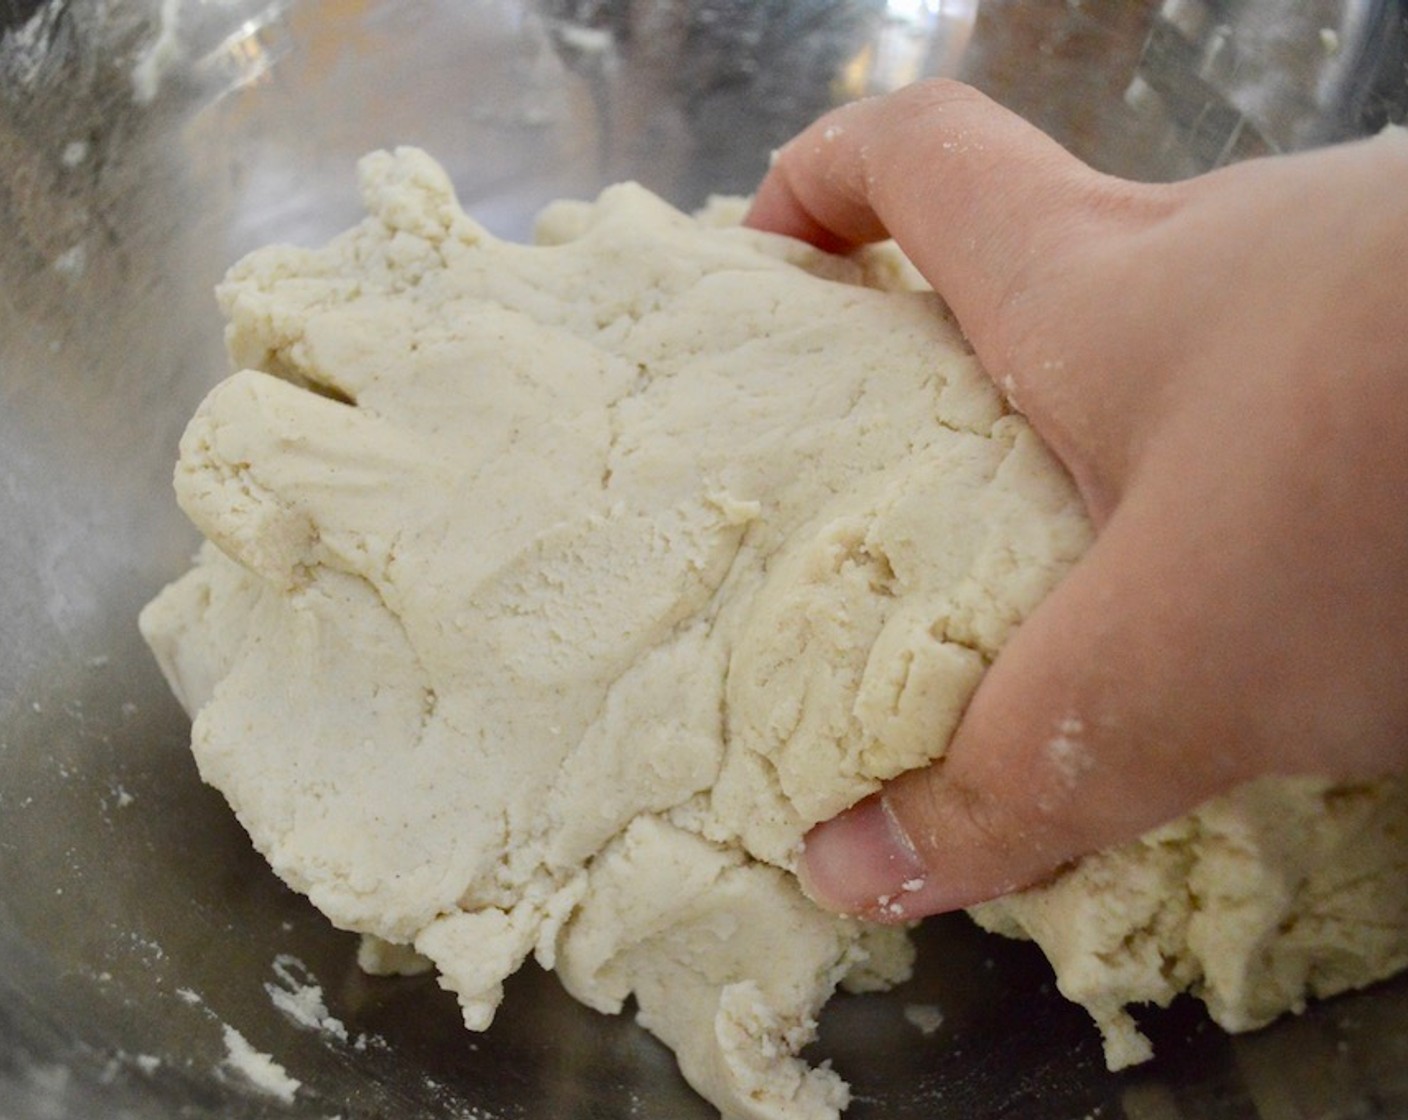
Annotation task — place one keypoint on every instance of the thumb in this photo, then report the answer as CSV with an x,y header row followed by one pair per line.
x,y
1114,708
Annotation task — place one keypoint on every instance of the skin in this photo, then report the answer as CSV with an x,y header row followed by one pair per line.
x,y
1222,366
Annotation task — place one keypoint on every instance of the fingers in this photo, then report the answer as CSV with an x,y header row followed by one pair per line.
x,y
970,191
1101,719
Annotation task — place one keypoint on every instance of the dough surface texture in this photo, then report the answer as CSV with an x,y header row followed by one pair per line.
x,y
553,592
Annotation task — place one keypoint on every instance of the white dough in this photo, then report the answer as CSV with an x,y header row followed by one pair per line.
x,y
1282,890
555,591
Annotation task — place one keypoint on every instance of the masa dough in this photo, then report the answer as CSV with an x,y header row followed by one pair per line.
x,y
553,592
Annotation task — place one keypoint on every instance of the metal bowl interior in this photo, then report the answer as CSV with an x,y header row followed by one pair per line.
x,y
142,150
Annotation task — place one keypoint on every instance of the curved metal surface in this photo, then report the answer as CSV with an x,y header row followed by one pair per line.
x,y
136,924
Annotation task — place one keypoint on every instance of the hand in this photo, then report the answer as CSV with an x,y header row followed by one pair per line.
x,y
1222,366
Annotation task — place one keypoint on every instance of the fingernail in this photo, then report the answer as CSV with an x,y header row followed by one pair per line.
x,y
862,863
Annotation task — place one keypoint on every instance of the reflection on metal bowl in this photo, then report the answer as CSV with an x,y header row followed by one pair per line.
x,y
143,147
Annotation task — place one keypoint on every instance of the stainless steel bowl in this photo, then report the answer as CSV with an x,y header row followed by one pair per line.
x,y
144,148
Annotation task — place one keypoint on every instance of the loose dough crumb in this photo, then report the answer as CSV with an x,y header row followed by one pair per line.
x,y
553,592
381,958
926,1018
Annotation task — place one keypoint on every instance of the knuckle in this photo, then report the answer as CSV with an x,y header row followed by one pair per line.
x,y
936,95
973,815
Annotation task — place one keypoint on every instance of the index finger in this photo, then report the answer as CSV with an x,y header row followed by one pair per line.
x,y
971,192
